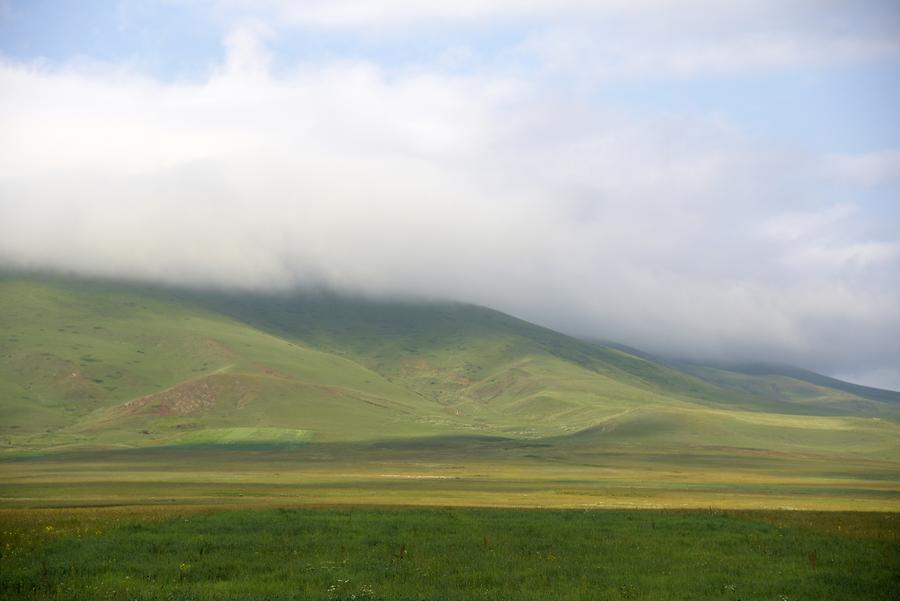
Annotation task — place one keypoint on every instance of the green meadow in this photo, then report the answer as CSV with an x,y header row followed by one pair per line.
x,y
447,553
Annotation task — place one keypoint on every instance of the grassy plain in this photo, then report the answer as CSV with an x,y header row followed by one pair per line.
x,y
448,471
447,553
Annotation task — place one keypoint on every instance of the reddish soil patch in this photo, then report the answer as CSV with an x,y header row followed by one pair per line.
x,y
189,398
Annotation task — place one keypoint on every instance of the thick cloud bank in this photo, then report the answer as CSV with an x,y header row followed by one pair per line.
x,y
676,233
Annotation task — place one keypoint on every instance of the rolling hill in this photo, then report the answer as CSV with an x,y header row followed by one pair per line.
x,y
87,362
99,366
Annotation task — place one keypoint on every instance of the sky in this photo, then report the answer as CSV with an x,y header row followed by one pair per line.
x,y
701,179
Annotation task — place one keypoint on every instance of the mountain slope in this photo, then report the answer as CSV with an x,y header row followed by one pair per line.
x,y
453,351
88,363
803,375
107,363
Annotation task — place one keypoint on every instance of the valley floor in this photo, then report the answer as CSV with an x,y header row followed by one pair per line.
x,y
451,471
447,518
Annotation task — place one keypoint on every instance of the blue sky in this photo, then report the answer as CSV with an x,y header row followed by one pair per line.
x,y
705,179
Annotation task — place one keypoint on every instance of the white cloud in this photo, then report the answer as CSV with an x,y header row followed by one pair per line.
x,y
839,256
868,169
613,39
796,225
399,13
645,53
819,240
670,232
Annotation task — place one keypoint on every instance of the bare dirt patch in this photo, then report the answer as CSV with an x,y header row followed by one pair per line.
x,y
190,398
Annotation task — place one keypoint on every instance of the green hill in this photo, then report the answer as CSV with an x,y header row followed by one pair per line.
x,y
95,363
110,382
108,364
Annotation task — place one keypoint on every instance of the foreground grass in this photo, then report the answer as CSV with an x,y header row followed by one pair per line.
x,y
180,554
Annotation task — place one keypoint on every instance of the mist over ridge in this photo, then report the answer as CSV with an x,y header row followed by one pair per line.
x,y
533,171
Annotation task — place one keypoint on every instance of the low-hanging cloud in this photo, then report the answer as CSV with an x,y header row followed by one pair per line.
x,y
675,233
